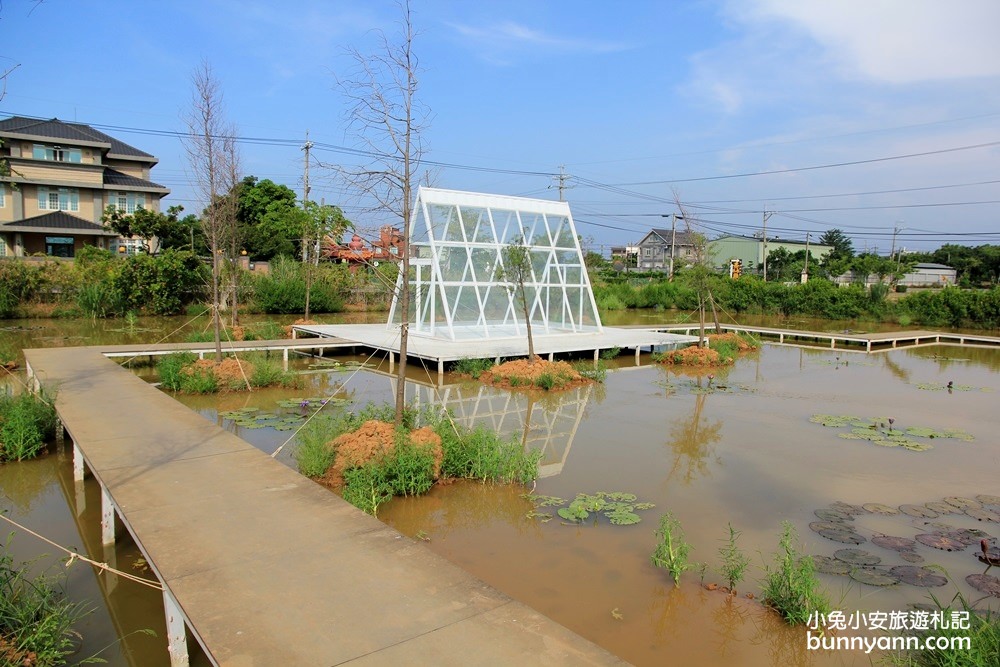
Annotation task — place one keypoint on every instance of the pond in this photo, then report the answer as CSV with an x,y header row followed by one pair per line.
x,y
740,449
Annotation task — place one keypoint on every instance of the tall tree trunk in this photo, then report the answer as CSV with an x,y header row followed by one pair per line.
x,y
527,323
715,314
308,269
701,320
216,315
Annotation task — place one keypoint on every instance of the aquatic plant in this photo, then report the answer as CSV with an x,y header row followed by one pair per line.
x,y
35,619
671,552
616,506
610,353
734,562
882,431
790,586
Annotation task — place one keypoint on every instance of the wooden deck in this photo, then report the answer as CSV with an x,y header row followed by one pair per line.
x,y
263,566
871,342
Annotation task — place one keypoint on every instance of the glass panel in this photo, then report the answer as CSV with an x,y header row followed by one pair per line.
x,y
38,152
539,260
507,226
484,261
471,218
534,229
562,233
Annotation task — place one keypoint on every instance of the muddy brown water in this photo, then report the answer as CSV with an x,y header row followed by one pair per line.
x,y
740,451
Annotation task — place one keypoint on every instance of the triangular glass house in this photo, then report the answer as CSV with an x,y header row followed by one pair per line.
x,y
456,242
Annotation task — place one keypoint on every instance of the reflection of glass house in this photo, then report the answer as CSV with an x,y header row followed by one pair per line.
x,y
456,239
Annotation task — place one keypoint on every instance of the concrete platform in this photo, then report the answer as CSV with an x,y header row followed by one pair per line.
x,y
267,567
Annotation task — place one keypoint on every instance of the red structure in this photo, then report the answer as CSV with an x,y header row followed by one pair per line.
x,y
358,251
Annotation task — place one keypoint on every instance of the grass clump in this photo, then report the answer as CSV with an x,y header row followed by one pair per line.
x,y
35,620
184,372
368,475
26,422
983,633
472,367
672,550
790,586
734,561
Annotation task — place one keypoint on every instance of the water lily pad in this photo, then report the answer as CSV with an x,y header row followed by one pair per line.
x,y
894,543
842,536
990,557
911,556
847,508
836,516
918,576
828,565
622,518
874,576
830,525
879,508
988,499
983,514
918,511
942,542
985,583
858,557
942,508
962,503
967,536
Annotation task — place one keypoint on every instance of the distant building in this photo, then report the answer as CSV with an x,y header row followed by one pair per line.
x,y
750,251
626,254
654,249
928,275
62,176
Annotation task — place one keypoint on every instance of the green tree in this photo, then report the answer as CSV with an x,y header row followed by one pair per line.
x,y
151,227
317,222
515,270
269,218
843,248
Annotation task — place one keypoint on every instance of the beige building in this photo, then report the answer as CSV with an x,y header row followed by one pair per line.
x,y
60,179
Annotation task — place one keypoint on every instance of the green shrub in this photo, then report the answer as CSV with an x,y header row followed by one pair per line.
x,y
283,289
195,309
169,369
96,299
196,380
266,330
473,367
159,284
312,454
366,487
610,302
410,468
35,619
790,586
26,422
610,353
546,381
588,370
268,374
734,562
206,336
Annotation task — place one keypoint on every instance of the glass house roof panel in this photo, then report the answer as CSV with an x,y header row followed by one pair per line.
x,y
460,295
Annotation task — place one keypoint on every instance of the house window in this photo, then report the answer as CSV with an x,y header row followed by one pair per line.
x,y
58,199
3,246
59,246
647,252
56,153
132,246
3,195
127,202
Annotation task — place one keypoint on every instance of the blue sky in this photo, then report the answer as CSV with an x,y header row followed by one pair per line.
x,y
638,100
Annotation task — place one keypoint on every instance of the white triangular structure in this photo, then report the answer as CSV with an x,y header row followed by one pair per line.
x,y
456,241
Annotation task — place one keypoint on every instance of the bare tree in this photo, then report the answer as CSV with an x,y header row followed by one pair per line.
x,y
387,118
214,160
699,271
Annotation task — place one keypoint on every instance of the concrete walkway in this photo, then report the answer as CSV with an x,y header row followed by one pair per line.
x,y
267,567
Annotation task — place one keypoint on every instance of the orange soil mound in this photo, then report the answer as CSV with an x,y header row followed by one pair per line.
x,y
373,441
227,372
527,373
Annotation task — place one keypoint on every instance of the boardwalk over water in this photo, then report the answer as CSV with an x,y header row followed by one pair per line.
x,y
263,566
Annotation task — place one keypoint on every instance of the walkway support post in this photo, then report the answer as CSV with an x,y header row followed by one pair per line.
x,y
284,359
176,639
107,517
77,463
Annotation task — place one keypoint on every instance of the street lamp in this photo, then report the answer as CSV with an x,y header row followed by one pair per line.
x,y
673,237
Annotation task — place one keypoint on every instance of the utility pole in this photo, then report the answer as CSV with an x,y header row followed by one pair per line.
x,y
895,230
805,268
673,240
561,179
764,239
305,192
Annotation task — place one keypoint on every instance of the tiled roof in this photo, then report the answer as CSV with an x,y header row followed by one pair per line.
x,y
681,237
56,220
58,129
117,178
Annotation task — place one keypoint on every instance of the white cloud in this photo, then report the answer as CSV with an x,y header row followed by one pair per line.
x,y
894,41
498,41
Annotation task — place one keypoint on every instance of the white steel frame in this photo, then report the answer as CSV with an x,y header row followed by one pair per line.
x,y
455,243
